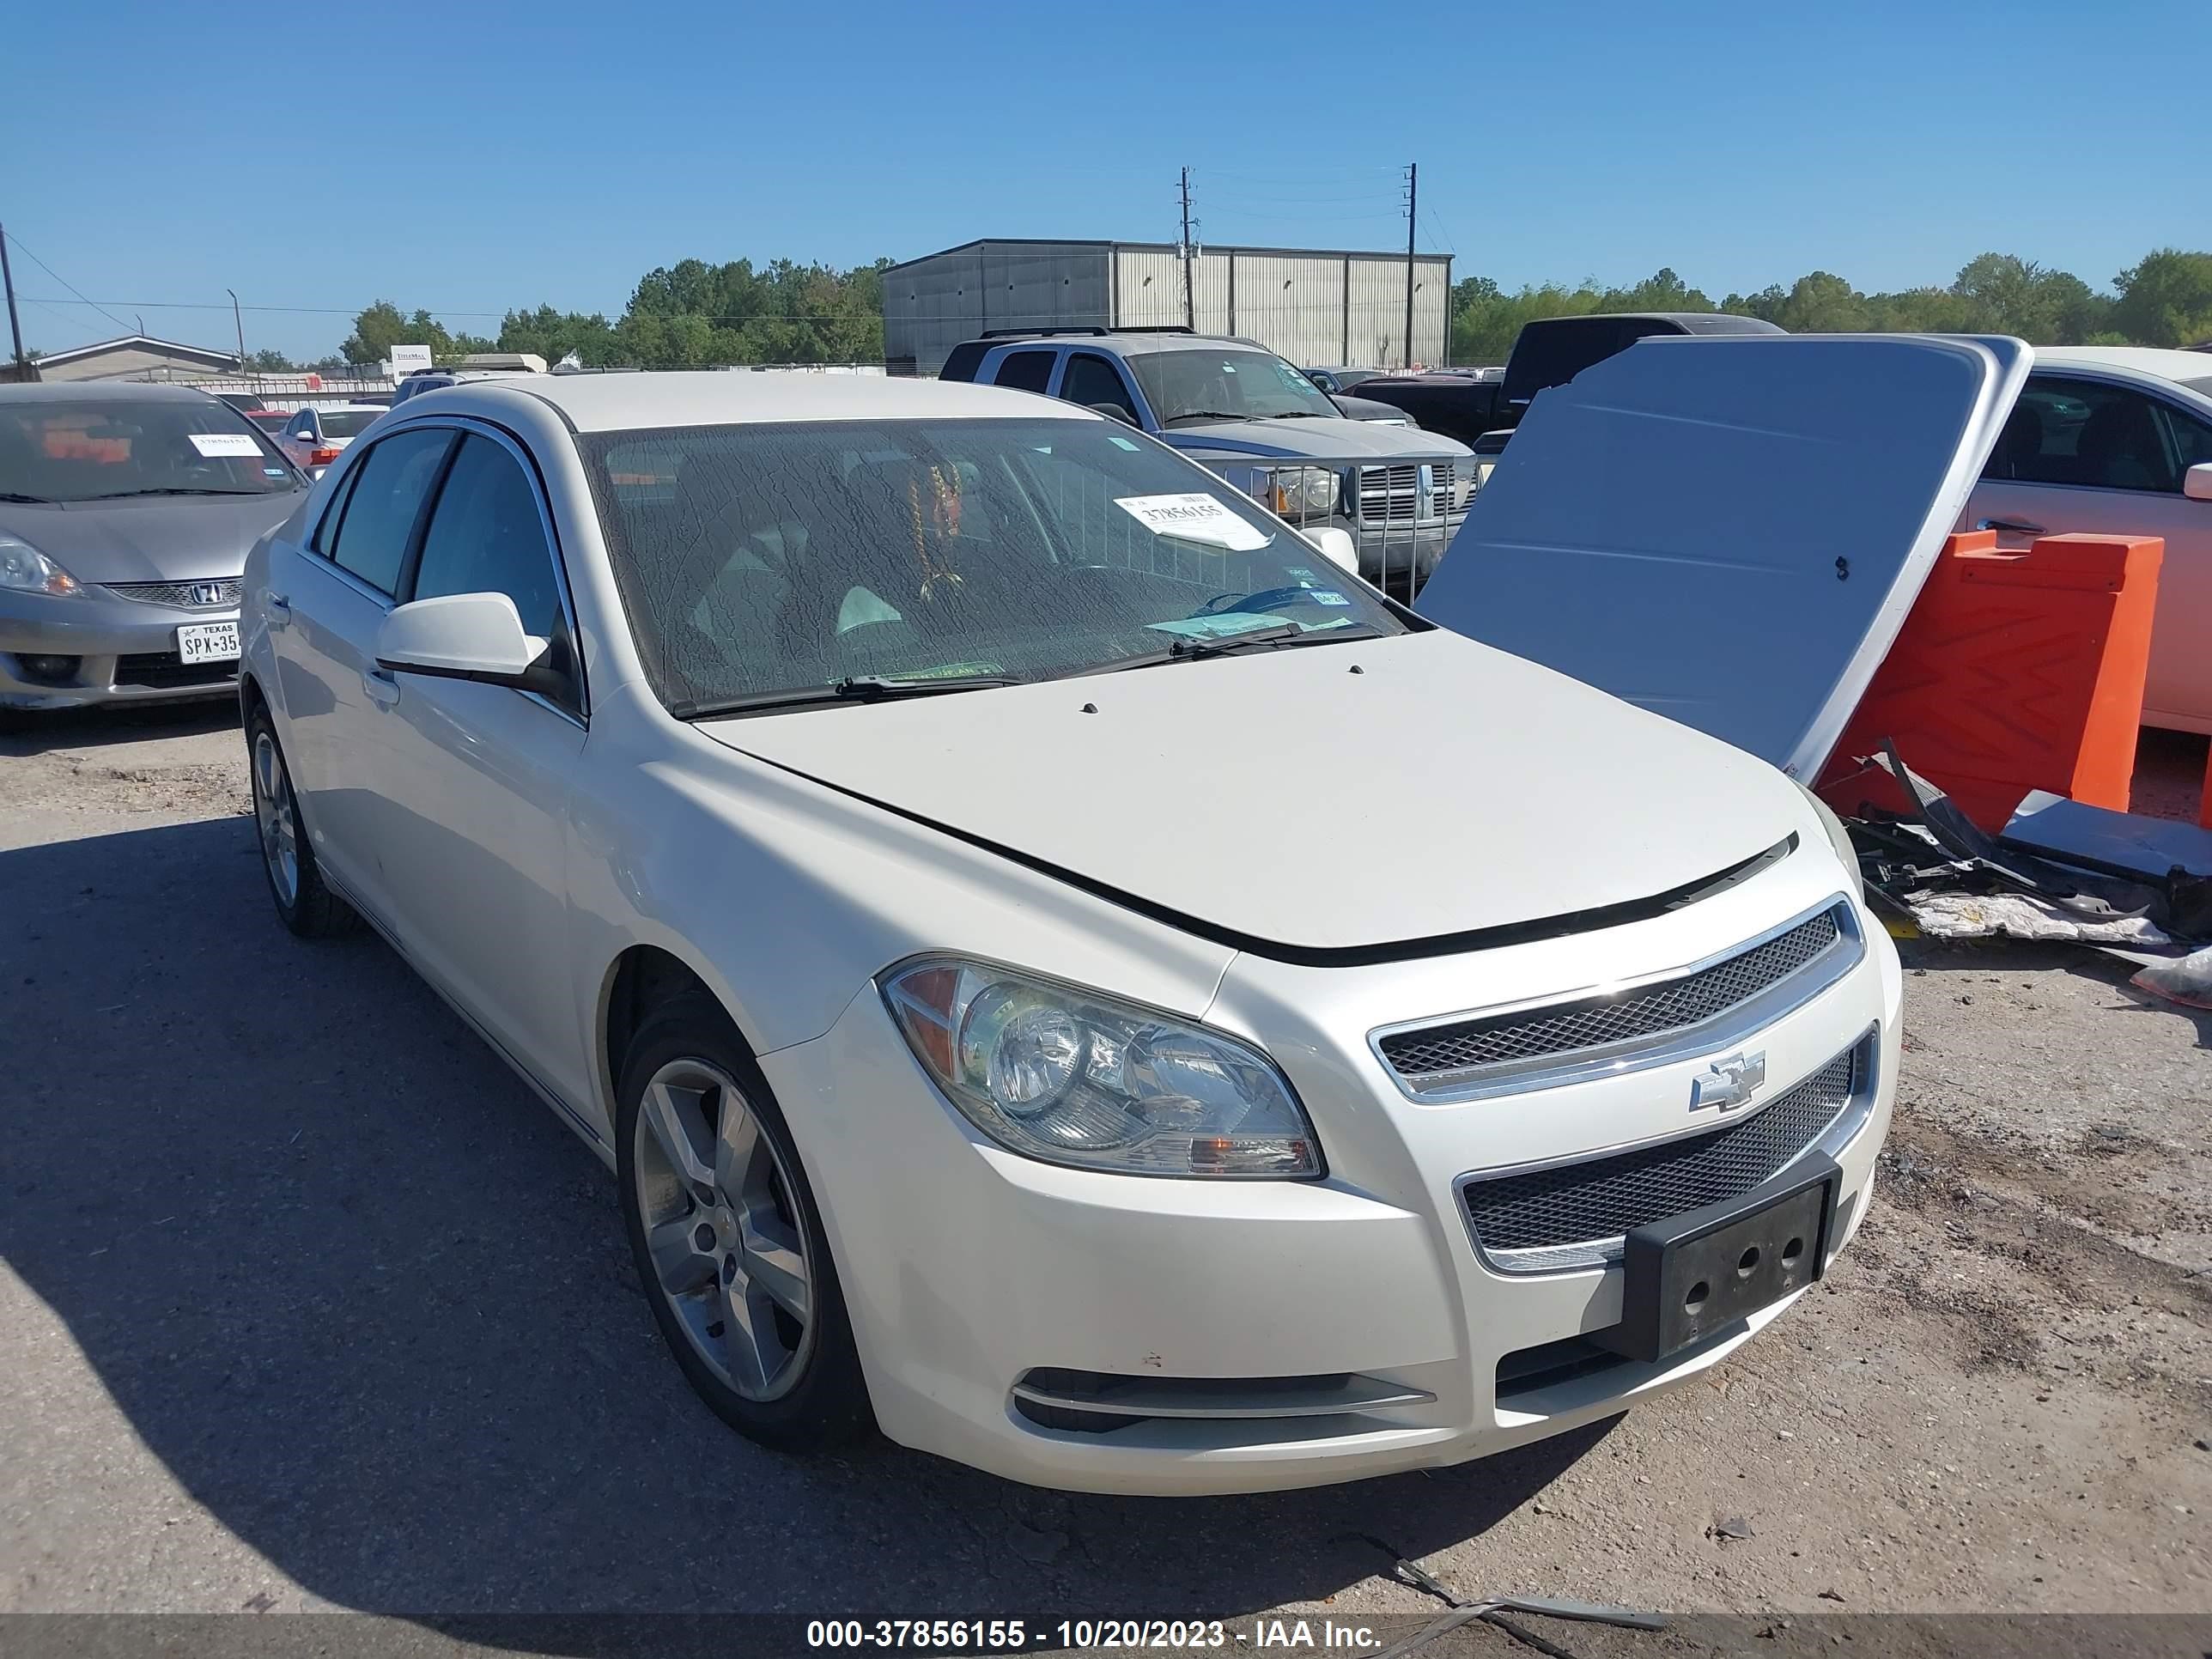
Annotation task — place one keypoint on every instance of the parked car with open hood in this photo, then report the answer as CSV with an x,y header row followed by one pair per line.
x,y
125,514
2117,441
1240,411
944,850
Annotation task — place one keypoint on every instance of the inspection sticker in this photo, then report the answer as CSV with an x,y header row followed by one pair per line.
x,y
1193,518
221,445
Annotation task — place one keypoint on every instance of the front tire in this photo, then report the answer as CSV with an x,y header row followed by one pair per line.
x,y
728,1243
303,902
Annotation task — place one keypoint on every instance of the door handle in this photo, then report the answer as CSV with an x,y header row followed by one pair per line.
x,y
382,688
2017,526
278,607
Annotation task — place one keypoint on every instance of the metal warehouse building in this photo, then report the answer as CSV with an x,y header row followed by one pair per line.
x,y
1314,307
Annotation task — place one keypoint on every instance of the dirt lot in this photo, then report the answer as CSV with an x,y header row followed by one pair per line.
x,y
308,1304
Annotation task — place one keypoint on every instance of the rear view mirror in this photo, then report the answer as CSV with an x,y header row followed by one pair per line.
x,y
1336,546
2197,483
1113,412
460,636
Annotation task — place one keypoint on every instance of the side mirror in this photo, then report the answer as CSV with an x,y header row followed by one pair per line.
x,y
460,636
2197,483
1336,546
1113,412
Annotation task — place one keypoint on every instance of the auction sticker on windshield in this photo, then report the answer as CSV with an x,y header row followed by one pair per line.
x,y
207,642
219,445
1195,518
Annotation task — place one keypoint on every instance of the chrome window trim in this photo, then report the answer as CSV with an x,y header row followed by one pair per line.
x,y
1630,1055
1585,1254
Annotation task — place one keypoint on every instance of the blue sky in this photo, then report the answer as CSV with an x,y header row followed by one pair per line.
x,y
468,157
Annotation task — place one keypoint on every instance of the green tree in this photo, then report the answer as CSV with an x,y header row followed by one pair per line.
x,y
267,361
380,326
2167,299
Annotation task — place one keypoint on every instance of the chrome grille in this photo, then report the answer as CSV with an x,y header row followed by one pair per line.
x,y
1437,1056
1393,495
1591,1205
214,594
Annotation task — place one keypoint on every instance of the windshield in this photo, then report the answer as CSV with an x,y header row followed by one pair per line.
x,y
759,558
2203,385
1232,385
346,423
94,450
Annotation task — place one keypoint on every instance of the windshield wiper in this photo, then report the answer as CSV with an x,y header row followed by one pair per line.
x,y
1285,636
21,499
175,489
853,688
1204,415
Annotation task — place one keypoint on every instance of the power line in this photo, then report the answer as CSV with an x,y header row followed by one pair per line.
x,y
16,242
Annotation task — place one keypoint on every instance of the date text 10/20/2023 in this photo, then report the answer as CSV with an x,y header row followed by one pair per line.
x,y
1018,1635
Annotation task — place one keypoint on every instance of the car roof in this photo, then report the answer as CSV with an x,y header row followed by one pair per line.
x,y
2192,367
105,391
1689,322
618,402
333,408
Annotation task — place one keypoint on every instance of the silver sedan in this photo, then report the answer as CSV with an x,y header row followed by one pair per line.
x,y
125,515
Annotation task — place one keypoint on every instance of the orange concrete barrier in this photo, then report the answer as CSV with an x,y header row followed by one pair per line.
x,y
2016,670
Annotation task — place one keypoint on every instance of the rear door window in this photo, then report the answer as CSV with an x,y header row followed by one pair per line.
x,y
386,501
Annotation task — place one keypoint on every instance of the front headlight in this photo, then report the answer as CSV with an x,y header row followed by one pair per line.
x,y
1302,492
26,570
1067,1076
1839,838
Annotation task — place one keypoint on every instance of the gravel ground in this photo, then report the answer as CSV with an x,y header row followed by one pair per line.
x,y
308,1305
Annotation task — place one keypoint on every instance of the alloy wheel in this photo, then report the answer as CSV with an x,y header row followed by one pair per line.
x,y
272,814
728,1254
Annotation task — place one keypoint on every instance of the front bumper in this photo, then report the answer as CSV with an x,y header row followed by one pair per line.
x,y
125,651
971,1271
1391,554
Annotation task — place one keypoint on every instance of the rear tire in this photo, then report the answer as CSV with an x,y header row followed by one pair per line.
x,y
303,902
729,1245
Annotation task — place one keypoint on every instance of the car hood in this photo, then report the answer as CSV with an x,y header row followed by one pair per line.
x,y
1278,800
1323,439
153,538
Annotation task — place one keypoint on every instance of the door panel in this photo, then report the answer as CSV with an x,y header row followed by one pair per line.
x,y
475,851
478,778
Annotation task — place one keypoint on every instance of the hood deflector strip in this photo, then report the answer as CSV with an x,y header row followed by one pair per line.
x,y
1338,955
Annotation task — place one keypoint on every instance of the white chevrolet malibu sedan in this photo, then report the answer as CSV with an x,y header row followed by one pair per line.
x,y
1058,968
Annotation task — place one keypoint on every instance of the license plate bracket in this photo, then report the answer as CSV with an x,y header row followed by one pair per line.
x,y
1690,1275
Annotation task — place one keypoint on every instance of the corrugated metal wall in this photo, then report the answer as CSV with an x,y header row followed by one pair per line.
x,y
931,305
1315,308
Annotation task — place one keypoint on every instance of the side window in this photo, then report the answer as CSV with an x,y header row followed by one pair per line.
x,y
386,499
2085,433
1091,378
1024,371
2192,438
485,537
302,426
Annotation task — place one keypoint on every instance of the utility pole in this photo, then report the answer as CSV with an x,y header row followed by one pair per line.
x,y
1190,303
1413,203
239,323
8,280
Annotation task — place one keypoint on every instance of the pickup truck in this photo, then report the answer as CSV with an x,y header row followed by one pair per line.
x,y
1244,413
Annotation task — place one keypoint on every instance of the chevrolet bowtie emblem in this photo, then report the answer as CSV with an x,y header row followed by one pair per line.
x,y
1725,1085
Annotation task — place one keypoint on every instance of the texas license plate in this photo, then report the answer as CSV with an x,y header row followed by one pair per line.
x,y
1691,1276
207,642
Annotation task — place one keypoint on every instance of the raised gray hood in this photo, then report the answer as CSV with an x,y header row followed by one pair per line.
x,y
1730,529
152,540
1278,797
